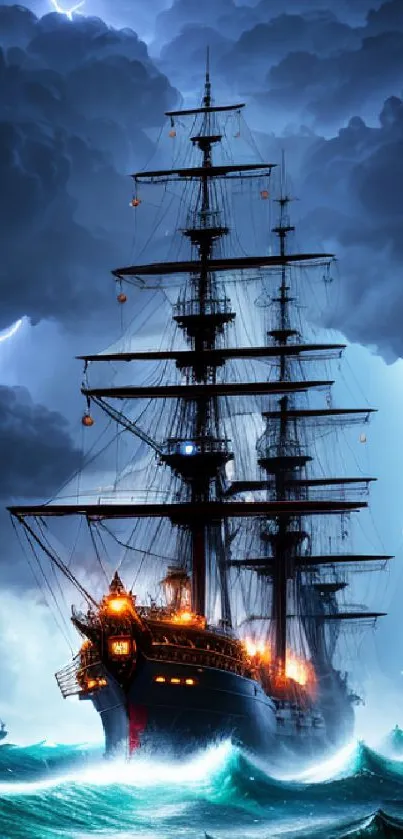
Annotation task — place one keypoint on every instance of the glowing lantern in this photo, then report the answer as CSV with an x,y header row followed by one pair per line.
x,y
87,420
264,194
118,605
135,202
363,438
172,133
121,298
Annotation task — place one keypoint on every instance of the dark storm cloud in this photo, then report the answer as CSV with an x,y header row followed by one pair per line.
x,y
232,19
136,14
264,45
17,25
311,64
350,10
184,12
62,44
329,89
36,452
309,67
74,109
191,44
388,18
354,186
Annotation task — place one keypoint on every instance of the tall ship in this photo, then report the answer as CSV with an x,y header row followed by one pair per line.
x,y
213,562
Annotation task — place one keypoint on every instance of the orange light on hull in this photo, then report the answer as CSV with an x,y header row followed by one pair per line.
x,y
95,683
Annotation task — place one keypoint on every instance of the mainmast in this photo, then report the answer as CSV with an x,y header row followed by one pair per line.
x,y
202,316
202,235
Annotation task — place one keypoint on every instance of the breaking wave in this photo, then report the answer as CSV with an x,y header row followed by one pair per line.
x,y
49,791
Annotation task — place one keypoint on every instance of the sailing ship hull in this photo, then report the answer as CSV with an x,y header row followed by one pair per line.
x,y
192,707
204,705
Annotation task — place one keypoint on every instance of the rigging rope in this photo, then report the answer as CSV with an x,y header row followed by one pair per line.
x,y
64,622
59,564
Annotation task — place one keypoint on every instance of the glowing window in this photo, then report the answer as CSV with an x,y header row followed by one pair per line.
x,y
175,681
120,646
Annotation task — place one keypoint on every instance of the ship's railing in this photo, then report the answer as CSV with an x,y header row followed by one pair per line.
x,y
211,306
76,678
165,615
201,657
211,648
186,446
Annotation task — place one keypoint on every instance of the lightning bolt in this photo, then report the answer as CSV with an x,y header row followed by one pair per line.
x,y
4,336
68,12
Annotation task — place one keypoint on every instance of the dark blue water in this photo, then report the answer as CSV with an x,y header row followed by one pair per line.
x,y
64,791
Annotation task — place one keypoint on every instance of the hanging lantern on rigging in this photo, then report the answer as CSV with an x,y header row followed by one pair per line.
x,y
135,202
264,194
121,297
363,438
87,420
172,132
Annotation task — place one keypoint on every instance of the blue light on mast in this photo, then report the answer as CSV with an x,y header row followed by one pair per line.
x,y
188,448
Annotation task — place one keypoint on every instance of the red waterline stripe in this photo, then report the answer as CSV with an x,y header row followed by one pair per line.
x,y
138,716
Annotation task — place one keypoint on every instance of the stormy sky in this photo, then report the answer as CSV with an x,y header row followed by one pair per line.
x,y
81,106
